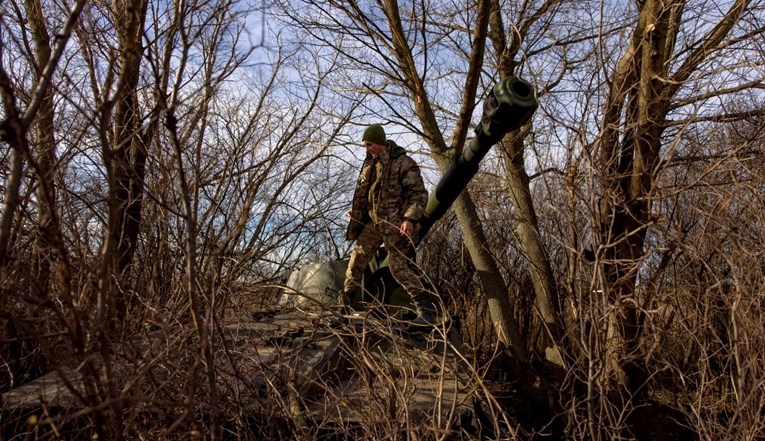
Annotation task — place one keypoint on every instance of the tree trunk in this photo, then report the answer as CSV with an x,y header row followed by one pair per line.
x,y
527,231
44,144
125,160
641,90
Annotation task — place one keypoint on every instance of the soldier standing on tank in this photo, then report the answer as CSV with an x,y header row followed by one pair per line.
x,y
388,203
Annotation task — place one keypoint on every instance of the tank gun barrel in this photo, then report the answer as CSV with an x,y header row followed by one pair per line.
x,y
510,104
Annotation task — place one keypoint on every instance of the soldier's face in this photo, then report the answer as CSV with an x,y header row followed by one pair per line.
x,y
374,149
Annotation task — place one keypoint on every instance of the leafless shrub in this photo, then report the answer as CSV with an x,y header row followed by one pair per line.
x,y
157,179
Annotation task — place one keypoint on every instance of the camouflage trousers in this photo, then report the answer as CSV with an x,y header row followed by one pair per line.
x,y
403,268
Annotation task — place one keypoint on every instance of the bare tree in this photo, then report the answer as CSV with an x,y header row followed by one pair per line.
x,y
146,99
649,82
157,172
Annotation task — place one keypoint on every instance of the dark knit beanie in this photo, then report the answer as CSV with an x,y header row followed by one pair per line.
x,y
374,133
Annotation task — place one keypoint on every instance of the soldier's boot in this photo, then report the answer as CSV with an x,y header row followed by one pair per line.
x,y
426,313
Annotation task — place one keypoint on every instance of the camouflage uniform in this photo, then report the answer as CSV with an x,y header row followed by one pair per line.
x,y
389,190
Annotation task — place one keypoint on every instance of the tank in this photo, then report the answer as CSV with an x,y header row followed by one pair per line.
x,y
510,105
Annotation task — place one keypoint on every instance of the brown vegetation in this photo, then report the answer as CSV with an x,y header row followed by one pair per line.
x,y
164,163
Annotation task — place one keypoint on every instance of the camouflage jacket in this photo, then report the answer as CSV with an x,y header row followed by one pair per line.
x,y
401,194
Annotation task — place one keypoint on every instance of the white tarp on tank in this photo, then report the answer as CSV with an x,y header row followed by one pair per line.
x,y
314,284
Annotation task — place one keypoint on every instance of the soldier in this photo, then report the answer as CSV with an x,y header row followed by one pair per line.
x,y
389,200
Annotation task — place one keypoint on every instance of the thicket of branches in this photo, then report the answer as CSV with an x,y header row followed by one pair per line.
x,y
165,162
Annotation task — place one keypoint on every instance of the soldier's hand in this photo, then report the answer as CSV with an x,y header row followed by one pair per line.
x,y
406,229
